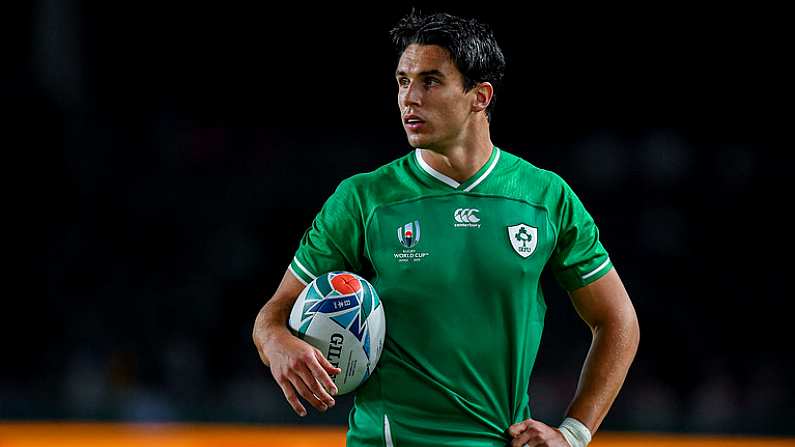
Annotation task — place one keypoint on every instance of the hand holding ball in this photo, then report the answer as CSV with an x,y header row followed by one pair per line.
x,y
341,314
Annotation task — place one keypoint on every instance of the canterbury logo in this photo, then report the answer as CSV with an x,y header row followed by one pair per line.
x,y
466,215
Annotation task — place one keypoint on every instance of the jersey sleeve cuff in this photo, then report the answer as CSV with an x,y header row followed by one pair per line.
x,y
581,277
301,272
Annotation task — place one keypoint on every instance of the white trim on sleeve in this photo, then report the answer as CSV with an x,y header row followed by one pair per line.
x,y
301,266
297,276
387,432
604,264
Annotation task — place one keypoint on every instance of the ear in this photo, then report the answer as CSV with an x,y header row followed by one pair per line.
x,y
483,94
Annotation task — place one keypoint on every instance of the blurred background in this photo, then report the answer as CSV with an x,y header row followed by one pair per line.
x,y
170,158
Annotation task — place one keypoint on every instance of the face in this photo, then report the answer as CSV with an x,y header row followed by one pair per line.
x,y
433,104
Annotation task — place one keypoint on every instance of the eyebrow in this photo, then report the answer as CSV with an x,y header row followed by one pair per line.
x,y
422,73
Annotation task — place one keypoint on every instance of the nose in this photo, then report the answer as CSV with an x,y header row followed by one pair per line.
x,y
410,95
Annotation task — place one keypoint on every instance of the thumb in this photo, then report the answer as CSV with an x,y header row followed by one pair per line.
x,y
519,427
325,363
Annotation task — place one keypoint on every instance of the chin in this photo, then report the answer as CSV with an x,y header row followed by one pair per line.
x,y
417,141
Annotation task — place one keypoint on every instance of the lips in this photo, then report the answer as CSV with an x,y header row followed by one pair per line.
x,y
413,122
412,119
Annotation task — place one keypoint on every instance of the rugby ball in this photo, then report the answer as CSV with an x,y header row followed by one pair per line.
x,y
340,314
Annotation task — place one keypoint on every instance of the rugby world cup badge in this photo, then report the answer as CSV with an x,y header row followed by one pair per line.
x,y
524,239
409,234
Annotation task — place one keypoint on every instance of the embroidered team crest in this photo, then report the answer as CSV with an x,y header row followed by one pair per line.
x,y
524,239
409,234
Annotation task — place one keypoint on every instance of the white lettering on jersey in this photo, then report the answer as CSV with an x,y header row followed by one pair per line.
x,y
467,217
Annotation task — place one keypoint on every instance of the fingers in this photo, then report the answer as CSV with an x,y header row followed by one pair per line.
x,y
330,369
317,391
304,391
516,429
301,370
289,394
297,380
532,433
523,440
321,372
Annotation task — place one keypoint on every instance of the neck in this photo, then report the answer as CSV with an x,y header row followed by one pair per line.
x,y
461,160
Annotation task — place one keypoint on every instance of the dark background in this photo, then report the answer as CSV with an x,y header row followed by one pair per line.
x,y
169,159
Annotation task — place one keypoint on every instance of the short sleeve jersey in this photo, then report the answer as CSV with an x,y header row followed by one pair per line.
x,y
457,267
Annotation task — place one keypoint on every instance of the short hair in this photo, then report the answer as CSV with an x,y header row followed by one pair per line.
x,y
471,44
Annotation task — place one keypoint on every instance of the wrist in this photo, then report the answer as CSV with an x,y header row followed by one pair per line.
x,y
575,432
275,336
268,336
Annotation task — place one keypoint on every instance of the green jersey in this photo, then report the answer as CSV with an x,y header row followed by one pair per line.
x,y
457,267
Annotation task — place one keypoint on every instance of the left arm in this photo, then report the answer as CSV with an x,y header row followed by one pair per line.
x,y
605,306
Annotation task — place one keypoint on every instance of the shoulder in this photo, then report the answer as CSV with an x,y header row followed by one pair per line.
x,y
393,169
371,184
366,181
538,180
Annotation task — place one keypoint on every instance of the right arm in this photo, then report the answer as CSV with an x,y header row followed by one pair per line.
x,y
298,367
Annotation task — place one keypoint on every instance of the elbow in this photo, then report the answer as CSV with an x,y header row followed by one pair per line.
x,y
631,329
627,321
635,332
621,328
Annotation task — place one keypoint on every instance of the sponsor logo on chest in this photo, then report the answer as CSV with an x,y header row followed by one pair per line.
x,y
466,218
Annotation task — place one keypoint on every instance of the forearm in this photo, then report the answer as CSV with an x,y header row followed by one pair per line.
x,y
271,322
612,350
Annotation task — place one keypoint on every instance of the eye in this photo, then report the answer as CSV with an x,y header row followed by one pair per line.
x,y
403,81
431,81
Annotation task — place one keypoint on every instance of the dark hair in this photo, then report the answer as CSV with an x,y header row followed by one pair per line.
x,y
471,44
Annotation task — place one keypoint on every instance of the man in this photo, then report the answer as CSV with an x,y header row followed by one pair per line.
x,y
476,226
